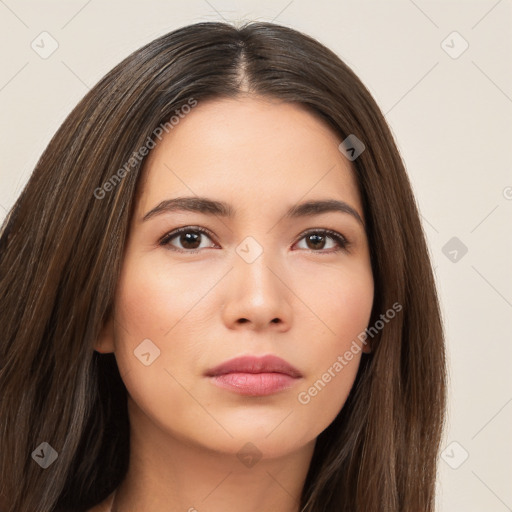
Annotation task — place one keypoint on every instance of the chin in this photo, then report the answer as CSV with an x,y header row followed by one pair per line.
x,y
257,442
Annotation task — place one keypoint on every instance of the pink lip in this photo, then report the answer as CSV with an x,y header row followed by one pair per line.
x,y
254,376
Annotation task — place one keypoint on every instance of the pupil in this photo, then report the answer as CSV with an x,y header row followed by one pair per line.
x,y
189,238
318,238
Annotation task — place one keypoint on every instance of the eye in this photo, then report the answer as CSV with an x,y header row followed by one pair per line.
x,y
189,237
316,240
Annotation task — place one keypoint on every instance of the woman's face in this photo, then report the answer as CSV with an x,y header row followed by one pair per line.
x,y
256,282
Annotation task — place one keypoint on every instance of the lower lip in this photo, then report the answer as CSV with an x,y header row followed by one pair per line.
x,y
254,384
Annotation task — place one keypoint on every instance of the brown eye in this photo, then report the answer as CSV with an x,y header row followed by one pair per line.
x,y
189,238
316,241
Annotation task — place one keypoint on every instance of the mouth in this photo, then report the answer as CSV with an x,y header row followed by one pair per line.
x,y
255,376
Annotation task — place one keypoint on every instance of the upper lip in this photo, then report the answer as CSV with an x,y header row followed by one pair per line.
x,y
254,364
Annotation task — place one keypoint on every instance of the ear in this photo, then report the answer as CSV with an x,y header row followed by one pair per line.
x,y
105,342
366,347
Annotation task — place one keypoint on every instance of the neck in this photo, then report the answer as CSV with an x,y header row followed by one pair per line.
x,y
166,474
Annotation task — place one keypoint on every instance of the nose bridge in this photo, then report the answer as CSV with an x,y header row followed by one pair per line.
x,y
257,263
257,292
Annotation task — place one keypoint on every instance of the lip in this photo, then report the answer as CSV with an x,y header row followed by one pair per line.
x,y
254,376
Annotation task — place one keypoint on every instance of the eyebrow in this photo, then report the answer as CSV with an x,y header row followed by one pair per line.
x,y
219,208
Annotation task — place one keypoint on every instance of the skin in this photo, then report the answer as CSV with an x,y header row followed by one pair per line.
x,y
261,156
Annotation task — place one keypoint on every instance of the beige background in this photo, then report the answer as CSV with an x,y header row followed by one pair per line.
x,y
452,119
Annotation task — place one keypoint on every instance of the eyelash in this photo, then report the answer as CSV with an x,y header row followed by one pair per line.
x,y
342,241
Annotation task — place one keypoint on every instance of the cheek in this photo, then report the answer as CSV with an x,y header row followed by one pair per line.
x,y
352,309
349,314
149,307
344,305
153,298
341,298
146,311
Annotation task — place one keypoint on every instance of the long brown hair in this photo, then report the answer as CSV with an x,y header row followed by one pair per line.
x,y
61,249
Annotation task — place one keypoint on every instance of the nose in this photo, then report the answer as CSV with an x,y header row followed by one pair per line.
x,y
258,295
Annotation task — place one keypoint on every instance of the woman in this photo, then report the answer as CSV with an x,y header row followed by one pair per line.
x,y
216,293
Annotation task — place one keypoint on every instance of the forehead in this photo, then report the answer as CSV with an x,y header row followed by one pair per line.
x,y
248,150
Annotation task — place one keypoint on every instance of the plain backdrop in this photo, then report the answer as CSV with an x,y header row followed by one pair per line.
x,y
441,73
